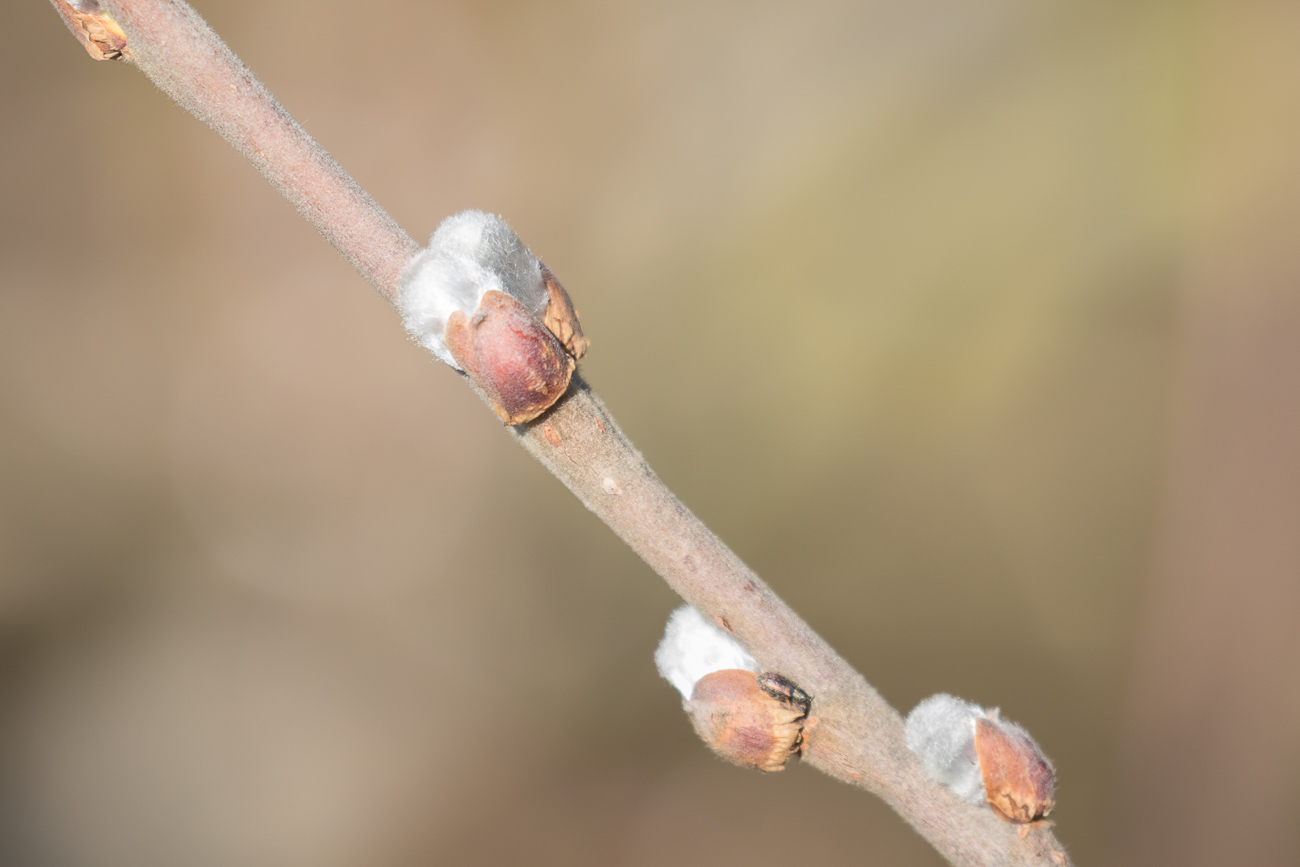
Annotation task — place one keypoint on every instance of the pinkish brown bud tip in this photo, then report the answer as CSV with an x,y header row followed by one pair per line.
x,y
755,721
94,28
516,360
1019,782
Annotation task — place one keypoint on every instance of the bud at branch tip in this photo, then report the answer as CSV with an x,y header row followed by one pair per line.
x,y
94,28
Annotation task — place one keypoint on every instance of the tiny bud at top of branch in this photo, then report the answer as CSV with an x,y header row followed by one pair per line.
x,y
94,28
982,757
693,647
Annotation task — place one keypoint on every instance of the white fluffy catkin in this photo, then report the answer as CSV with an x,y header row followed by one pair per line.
x,y
693,647
470,253
941,731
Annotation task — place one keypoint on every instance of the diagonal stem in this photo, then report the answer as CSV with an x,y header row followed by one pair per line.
x,y
181,54
858,737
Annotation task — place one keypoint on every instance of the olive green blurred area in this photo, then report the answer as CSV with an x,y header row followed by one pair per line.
x,y
973,327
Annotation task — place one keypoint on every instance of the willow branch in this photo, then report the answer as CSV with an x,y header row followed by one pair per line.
x,y
858,737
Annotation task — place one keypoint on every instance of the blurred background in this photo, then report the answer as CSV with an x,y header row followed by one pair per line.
x,y
973,327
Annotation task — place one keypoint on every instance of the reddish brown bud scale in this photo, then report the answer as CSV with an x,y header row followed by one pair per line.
x,y
519,363
755,721
1019,782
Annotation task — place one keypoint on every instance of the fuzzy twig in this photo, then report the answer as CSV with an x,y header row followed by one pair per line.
x,y
858,737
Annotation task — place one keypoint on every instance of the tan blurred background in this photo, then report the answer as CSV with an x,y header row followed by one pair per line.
x,y
974,327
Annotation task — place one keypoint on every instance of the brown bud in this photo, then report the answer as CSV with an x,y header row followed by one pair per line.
x,y
1019,782
94,28
520,364
755,721
561,318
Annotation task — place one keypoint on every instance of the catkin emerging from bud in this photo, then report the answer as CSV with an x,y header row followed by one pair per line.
x,y
750,718
982,757
479,300
693,647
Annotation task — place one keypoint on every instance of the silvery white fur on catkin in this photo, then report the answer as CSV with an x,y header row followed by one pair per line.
x,y
693,647
469,253
941,731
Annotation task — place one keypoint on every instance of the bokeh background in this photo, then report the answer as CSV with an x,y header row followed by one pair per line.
x,y
974,327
